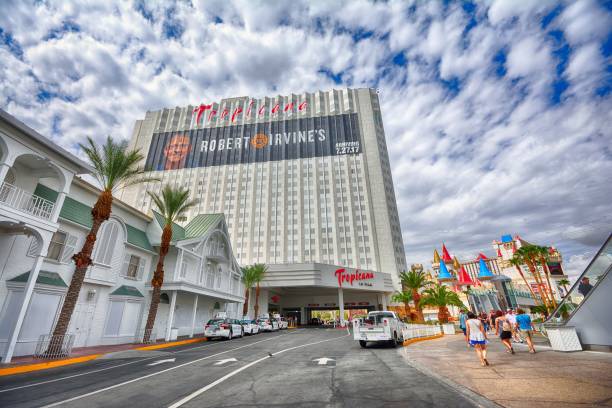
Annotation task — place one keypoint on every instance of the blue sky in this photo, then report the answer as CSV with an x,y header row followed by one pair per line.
x,y
497,113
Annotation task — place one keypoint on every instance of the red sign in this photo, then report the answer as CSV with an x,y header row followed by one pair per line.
x,y
350,277
274,299
252,110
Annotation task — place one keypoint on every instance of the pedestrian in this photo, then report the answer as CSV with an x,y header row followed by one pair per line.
x,y
516,337
525,325
503,328
492,321
477,337
462,319
483,318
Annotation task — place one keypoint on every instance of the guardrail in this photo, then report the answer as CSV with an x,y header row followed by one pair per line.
x,y
24,201
413,331
50,346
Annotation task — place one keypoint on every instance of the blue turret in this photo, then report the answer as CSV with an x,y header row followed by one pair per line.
x,y
484,273
444,274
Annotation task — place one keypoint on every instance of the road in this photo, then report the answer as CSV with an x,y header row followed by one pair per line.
x,y
296,368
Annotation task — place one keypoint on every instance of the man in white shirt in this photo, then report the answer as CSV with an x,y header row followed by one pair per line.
x,y
516,337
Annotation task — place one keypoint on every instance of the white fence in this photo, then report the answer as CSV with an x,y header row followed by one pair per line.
x,y
413,331
24,201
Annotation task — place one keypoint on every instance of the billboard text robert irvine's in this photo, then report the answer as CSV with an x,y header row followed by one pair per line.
x,y
297,138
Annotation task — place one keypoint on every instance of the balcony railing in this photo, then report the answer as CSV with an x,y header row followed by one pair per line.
x,y
22,200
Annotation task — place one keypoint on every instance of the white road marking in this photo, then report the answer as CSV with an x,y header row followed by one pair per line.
x,y
111,367
226,360
323,360
78,397
233,373
168,360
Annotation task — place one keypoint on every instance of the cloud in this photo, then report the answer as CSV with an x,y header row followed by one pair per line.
x,y
497,114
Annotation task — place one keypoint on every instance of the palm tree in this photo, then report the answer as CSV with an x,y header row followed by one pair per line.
x,y
441,297
404,297
517,261
249,278
172,203
530,255
259,272
565,283
541,253
115,168
414,281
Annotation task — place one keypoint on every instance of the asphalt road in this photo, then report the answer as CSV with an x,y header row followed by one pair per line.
x,y
286,369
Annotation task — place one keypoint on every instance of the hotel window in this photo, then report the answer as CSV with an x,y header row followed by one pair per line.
x,y
133,267
61,247
107,239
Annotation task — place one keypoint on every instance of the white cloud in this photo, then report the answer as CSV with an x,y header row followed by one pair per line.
x,y
482,154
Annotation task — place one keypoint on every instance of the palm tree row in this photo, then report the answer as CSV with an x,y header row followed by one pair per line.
x,y
536,259
252,275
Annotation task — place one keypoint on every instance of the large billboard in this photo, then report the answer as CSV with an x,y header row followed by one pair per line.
x,y
296,138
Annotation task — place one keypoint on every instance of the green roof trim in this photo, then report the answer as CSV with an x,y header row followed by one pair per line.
x,y
178,232
201,224
44,278
80,213
138,238
126,290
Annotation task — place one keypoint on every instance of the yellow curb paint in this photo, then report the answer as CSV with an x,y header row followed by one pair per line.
x,y
410,341
166,345
45,366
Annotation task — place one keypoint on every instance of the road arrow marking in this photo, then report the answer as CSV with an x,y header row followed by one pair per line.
x,y
323,360
168,360
227,360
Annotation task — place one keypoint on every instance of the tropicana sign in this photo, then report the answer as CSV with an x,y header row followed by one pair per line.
x,y
349,277
250,110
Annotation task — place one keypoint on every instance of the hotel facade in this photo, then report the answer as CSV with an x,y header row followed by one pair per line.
x,y
301,179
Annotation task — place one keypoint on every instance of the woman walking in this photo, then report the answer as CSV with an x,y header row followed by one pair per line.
x,y
477,337
503,327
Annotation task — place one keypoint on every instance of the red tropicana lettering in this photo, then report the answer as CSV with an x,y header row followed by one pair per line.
x,y
237,111
275,109
225,113
248,112
343,276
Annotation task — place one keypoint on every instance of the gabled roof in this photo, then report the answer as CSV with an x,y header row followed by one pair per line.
x,y
200,225
44,278
445,255
126,290
506,238
80,213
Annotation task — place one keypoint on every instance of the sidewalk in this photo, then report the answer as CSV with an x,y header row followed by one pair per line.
x,y
544,379
82,354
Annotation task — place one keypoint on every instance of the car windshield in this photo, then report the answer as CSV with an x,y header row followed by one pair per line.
x,y
216,321
376,318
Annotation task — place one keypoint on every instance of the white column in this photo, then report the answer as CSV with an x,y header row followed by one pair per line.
x,y
4,168
29,288
58,206
384,301
193,318
341,304
171,315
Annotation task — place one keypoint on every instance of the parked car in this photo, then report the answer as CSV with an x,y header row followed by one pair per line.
x,y
250,326
282,323
267,324
379,326
223,328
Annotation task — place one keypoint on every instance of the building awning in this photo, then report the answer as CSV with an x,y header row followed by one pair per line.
x,y
44,278
126,290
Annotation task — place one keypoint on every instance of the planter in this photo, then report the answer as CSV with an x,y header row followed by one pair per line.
x,y
563,338
448,328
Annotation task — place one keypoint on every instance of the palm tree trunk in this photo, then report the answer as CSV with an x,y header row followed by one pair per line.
x,y
407,310
157,281
245,307
538,278
416,297
443,314
100,213
256,307
547,274
535,298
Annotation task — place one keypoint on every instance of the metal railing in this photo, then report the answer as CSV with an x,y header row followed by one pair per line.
x,y
141,338
50,346
413,331
24,201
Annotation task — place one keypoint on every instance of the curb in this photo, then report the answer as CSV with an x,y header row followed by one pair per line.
x,y
26,368
418,339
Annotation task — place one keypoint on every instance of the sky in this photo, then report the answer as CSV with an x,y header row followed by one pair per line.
x,y
498,114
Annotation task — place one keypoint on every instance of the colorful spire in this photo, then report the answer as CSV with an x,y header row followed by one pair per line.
x,y
444,274
456,264
499,255
436,256
482,256
484,273
464,277
445,255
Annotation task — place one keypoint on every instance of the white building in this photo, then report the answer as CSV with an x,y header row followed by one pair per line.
x,y
301,179
40,230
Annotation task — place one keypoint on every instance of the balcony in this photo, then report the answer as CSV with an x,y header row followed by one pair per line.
x,y
26,202
216,253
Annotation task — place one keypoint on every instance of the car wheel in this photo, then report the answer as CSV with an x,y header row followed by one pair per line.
x,y
362,343
394,341
241,333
